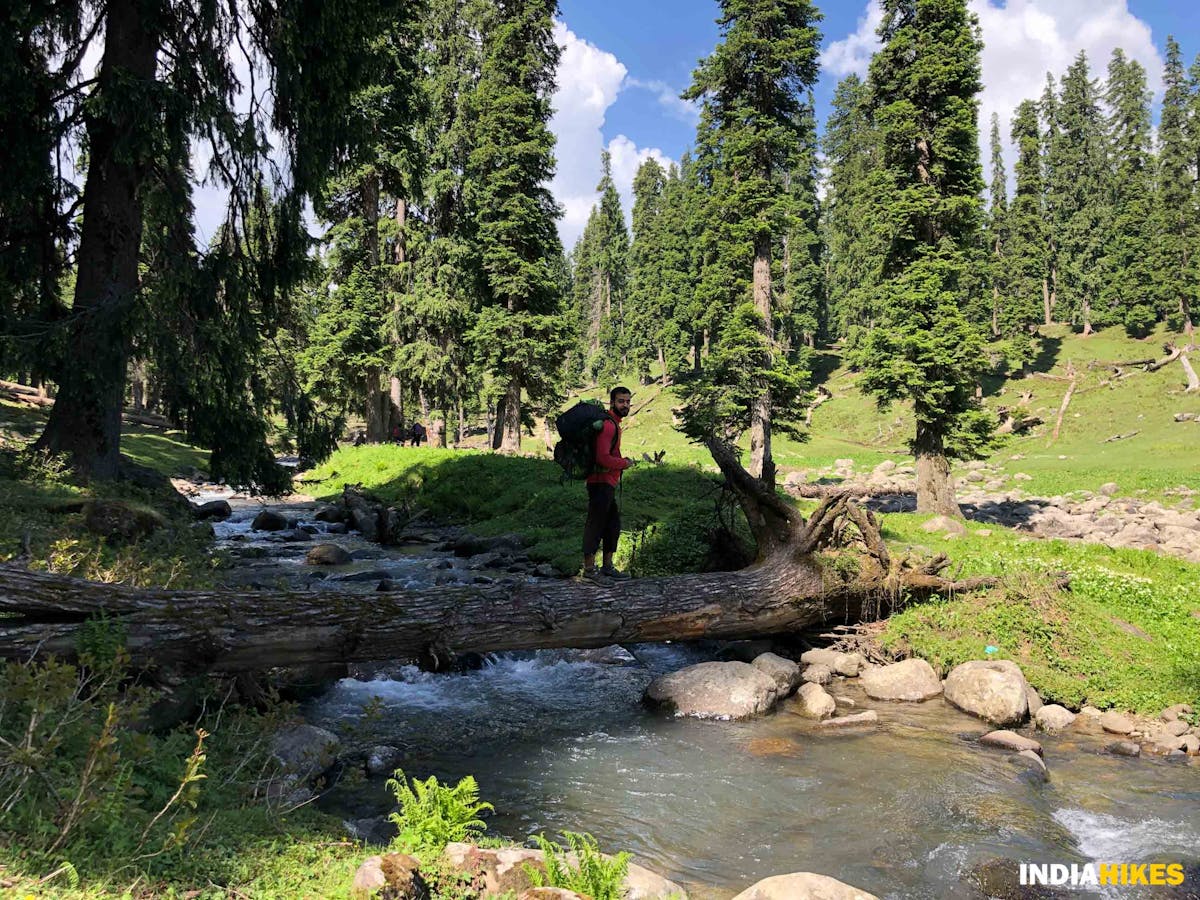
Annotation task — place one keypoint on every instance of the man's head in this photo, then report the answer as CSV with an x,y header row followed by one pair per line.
x,y
619,399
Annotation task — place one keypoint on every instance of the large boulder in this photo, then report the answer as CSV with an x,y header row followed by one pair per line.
x,y
785,672
269,520
327,555
847,664
714,690
803,886
497,871
910,679
1053,717
990,689
304,752
813,703
213,509
396,876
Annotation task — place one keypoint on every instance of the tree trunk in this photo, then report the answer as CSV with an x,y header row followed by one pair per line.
x,y
791,587
935,487
1193,382
377,406
662,365
762,465
1046,317
85,422
697,355
510,421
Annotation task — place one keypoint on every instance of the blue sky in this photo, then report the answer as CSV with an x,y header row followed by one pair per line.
x,y
625,62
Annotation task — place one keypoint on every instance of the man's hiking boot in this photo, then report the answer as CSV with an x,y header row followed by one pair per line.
x,y
614,573
592,574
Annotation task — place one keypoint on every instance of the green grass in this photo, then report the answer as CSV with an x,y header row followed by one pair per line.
x,y
1126,633
495,495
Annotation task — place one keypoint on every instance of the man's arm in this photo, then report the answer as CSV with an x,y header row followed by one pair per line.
x,y
604,456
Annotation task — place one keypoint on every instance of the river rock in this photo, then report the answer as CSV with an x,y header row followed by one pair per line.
x,y
1010,740
327,555
1032,699
330,514
1115,723
803,886
550,893
990,689
714,690
1124,748
1171,713
817,674
269,520
305,751
847,664
397,874
1030,762
866,717
909,679
813,702
785,672
382,760
1109,488
1053,717
498,871
213,509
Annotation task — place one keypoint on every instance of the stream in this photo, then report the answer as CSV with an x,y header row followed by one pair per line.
x,y
559,740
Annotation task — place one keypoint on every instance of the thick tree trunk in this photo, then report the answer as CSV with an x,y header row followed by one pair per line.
x,y
510,421
762,465
935,487
378,404
1046,317
1193,382
85,422
791,587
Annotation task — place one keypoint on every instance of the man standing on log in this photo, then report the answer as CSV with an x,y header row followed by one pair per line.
x,y
603,526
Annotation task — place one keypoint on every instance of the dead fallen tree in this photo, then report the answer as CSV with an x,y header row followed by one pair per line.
x,y
832,567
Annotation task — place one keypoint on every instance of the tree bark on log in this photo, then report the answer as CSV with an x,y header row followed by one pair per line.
x,y
796,582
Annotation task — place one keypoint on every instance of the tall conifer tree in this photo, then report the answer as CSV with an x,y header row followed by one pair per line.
x,y
997,227
924,81
519,335
1175,199
754,86
1127,294
1026,260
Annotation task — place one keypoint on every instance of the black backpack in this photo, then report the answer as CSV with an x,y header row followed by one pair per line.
x,y
577,428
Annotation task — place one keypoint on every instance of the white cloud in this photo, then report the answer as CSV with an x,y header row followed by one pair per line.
x,y
589,81
1023,39
669,99
853,52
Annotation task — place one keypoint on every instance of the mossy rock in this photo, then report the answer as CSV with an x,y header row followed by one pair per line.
x,y
119,520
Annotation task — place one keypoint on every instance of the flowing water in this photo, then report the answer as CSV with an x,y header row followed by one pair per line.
x,y
911,809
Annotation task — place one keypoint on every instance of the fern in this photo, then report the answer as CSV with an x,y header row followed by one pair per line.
x,y
432,815
596,875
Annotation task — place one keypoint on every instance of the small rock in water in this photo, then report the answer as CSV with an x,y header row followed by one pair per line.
x,y
387,585
866,717
1030,763
1010,740
327,555
269,520
1123,748
803,886
355,577
817,674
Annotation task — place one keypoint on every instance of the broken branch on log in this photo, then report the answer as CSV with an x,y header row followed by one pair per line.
x,y
1119,437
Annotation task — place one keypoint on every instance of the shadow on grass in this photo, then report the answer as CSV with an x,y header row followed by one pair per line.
x,y
662,507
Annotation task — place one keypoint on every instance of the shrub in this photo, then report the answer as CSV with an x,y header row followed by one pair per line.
x,y
433,815
596,875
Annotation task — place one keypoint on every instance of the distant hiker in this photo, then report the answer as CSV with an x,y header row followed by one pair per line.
x,y
416,434
603,526
398,434
360,438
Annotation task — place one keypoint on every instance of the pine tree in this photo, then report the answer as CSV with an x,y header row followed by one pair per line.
x,y
853,246
519,336
803,313
1175,200
997,227
1026,260
1081,199
754,87
650,310
1053,200
1128,294
924,82
170,70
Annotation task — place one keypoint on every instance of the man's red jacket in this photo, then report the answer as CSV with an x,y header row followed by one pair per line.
x,y
609,461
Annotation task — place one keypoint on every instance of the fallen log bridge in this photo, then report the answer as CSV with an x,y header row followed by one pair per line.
x,y
803,579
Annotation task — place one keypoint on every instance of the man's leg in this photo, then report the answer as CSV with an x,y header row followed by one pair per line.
x,y
600,499
612,534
